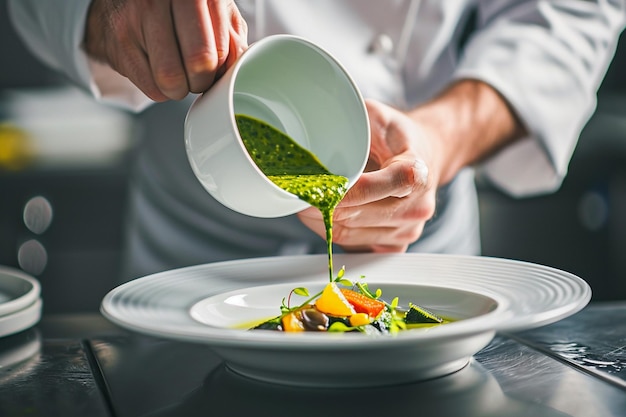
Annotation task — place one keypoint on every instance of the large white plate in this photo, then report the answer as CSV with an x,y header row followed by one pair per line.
x,y
204,303
17,290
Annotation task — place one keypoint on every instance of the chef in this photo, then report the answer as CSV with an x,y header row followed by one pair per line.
x,y
452,86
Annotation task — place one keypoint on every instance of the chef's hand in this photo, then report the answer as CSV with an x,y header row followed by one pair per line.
x,y
385,211
166,48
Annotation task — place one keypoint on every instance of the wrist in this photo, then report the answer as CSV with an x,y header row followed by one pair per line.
x,y
467,122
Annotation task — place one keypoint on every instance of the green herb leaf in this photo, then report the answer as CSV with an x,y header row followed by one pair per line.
x,y
302,291
341,273
345,282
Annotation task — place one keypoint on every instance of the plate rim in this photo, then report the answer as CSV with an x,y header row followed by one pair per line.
x,y
23,300
22,319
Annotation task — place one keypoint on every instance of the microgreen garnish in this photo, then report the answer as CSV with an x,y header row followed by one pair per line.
x,y
365,290
301,291
397,320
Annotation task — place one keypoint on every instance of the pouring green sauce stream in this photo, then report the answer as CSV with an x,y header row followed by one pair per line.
x,y
295,170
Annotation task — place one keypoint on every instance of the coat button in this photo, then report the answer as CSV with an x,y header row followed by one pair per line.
x,y
382,44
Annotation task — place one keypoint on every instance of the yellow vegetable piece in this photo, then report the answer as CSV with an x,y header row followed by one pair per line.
x,y
333,302
359,319
292,323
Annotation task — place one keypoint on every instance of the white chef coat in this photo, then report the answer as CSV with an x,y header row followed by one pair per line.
x,y
547,58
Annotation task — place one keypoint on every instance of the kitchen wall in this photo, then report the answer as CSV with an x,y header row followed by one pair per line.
x,y
63,180
582,227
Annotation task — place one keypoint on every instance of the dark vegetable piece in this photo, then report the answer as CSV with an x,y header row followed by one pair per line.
x,y
272,324
314,320
419,315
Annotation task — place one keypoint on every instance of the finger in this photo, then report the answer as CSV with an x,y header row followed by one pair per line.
x,y
199,46
136,68
364,230
238,33
237,38
163,52
239,25
377,236
235,51
115,36
220,12
398,179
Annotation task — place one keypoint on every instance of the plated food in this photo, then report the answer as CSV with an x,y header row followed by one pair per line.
x,y
346,306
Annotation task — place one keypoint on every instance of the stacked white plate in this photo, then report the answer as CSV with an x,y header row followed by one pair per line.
x,y
20,301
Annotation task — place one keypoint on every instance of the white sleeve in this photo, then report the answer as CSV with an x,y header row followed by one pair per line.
x,y
53,31
547,58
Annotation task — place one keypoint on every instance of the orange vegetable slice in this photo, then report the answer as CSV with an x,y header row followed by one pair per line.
x,y
292,323
363,303
333,302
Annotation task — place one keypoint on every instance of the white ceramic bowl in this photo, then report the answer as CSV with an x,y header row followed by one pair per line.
x,y
296,87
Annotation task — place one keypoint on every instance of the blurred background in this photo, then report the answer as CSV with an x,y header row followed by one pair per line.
x,y
64,167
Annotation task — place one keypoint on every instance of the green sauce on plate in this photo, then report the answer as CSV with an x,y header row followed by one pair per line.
x,y
294,169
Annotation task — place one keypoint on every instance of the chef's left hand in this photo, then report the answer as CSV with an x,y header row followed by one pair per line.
x,y
387,208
